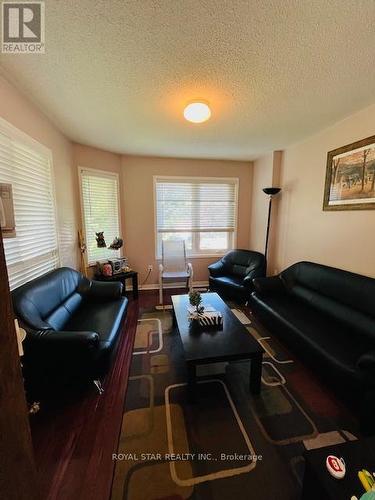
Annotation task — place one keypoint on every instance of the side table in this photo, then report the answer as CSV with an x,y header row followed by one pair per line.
x,y
122,277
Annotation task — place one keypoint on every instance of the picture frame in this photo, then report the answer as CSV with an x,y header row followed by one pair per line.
x,y
350,177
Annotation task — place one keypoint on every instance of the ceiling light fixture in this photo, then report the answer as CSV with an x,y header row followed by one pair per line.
x,y
197,112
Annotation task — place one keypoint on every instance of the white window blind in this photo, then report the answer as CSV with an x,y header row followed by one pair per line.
x,y
201,211
27,167
100,206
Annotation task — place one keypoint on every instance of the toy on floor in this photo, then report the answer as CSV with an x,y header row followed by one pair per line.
x,y
336,466
368,482
369,495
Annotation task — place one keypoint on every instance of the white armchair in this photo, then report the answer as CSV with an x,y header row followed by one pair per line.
x,y
174,267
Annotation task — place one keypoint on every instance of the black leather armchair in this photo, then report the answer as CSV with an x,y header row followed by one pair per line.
x,y
232,276
327,316
72,325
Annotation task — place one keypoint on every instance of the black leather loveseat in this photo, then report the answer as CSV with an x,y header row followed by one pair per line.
x,y
232,276
327,316
72,326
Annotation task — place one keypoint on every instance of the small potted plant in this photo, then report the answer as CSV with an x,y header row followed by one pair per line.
x,y
195,300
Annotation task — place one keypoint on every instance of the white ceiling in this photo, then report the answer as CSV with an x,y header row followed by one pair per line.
x,y
117,74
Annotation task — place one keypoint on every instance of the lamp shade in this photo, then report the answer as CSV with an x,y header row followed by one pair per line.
x,y
271,190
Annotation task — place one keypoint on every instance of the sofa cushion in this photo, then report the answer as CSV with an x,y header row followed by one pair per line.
x,y
242,262
103,318
37,301
344,315
352,290
230,280
318,336
60,316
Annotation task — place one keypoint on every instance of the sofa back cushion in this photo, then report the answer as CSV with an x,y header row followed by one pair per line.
x,y
345,296
48,301
242,262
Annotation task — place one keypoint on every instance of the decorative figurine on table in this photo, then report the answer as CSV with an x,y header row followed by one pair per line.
x,y
100,241
107,270
205,318
195,300
116,244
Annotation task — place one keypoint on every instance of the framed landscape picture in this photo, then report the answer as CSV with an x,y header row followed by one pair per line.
x,y
350,177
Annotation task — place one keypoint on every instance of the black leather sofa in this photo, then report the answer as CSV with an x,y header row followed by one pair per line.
x,y
72,326
232,276
327,316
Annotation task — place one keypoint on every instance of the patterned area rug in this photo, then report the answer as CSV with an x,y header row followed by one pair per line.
x,y
227,443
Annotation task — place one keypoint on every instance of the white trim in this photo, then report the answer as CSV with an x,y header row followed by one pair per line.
x,y
201,255
57,227
182,178
214,475
155,286
157,257
196,178
100,173
14,133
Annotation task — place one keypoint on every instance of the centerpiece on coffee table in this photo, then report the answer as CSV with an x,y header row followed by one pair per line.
x,y
208,317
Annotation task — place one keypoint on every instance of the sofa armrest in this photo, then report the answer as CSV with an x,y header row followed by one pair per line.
x,y
59,356
268,286
93,289
257,272
216,269
63,340
366,366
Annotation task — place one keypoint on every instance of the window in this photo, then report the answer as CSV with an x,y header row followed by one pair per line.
x,y
100,209
27,166
202,211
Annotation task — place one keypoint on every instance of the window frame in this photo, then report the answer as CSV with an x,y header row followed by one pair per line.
x,y
182,178
13,132
103,173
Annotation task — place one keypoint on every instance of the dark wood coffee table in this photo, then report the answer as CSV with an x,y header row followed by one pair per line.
x,y
230,343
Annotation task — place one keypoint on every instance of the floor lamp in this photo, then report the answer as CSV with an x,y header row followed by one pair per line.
x,y
271,192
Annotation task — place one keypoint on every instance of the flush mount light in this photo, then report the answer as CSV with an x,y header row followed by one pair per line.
x,y
197,112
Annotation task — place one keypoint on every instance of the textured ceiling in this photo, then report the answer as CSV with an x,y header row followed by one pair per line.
x,y
117,74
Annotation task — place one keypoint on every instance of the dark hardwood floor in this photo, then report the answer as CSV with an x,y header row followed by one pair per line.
x,y
74,437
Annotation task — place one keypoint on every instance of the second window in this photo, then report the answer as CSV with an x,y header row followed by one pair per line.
x,y
201,211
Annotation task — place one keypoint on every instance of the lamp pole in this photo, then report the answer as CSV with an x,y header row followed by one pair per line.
x,y
271,192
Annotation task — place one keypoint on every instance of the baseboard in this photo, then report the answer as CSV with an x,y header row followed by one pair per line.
x,y
155,286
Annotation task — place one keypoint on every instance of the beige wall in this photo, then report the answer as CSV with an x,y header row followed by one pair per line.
x,y
138,208
344,239
17,110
